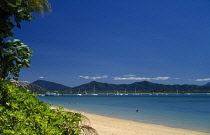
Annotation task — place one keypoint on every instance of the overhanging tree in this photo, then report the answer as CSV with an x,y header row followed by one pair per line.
x,y
15,55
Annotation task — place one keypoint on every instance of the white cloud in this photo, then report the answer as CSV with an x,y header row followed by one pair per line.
x,y
130,75
200,80
85,77
93,78
161,78
98,77
131,78
42,77
141,78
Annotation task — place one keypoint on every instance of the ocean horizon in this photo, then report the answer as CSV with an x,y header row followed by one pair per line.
x,y
178,111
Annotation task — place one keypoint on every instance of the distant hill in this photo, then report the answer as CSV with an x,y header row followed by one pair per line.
x,y
89,87
143,87
50,86
140,87
208,84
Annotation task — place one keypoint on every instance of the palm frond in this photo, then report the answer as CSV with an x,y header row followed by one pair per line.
x,y
88,130
85,121
38,6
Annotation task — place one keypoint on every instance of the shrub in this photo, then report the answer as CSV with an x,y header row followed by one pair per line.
x,y
22,113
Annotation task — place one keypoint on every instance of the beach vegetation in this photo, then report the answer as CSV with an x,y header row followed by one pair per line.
x,y
22,113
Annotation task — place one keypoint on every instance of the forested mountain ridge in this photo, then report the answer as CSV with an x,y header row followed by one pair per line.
x,y
50,86
208,84
140,87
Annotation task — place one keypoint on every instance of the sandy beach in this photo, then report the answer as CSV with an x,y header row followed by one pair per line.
x,y
114,126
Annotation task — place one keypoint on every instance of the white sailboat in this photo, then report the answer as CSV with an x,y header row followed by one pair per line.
x,y
79,94
94,91
126,92
121,94
135,92
54,93
117,93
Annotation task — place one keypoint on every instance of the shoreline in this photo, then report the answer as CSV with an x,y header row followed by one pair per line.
x,y
138,94
114,126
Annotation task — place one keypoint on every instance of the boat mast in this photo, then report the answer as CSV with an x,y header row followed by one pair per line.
x,y
94,89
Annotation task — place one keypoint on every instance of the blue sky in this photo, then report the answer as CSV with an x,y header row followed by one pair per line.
x,y
120,41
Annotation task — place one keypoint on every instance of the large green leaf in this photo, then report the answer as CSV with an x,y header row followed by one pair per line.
x,y
14,55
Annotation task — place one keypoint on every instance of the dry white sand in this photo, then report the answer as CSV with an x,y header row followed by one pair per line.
x,y
114,126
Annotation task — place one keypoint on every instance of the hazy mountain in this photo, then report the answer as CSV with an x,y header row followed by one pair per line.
x,y
50,86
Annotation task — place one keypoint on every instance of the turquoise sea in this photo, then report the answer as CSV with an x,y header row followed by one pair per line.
x,y
178,111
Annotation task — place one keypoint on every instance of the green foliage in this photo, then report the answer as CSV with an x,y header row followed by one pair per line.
x,y
22,113
14,55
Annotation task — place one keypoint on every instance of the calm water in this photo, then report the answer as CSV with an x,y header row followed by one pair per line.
x,y
182,111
